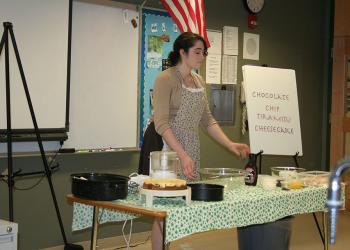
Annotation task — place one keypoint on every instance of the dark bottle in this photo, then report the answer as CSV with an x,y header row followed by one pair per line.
x,y
251,176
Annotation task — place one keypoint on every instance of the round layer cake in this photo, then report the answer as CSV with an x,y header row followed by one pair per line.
x,y
164,184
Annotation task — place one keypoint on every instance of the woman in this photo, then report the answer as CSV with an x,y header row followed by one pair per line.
x,y
180,104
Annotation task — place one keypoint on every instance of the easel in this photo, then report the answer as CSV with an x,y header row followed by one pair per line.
x,y
10,176
295,159
259,155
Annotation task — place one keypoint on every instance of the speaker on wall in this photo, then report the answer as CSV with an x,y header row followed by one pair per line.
x,y
251,46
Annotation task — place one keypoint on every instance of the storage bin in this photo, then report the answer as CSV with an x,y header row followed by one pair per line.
x,y
268,236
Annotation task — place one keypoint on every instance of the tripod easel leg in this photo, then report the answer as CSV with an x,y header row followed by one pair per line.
x,y
5,41
10,182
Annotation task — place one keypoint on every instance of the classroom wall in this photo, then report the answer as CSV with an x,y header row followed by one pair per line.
x,y
293,34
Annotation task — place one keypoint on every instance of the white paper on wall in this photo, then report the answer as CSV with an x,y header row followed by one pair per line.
x,y
230,40
229,69
213,69
215,40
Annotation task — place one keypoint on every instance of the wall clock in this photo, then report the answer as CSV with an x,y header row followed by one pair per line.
x,y
254,6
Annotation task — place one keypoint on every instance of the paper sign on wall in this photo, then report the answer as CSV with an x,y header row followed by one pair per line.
x,y
213,69
215,40
229,69
230,40
273,110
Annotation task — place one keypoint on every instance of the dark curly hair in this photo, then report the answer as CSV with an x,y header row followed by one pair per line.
x,y
185,41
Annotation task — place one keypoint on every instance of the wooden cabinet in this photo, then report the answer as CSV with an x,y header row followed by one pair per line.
x,y
340,114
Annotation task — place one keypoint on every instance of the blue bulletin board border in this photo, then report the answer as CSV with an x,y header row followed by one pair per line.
x,y
149,17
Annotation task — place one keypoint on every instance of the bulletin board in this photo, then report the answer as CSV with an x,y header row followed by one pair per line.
x,y
159,32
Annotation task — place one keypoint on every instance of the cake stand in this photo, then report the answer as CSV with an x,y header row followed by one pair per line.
x,y
151,193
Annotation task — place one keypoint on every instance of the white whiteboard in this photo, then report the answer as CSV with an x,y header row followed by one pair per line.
x,y
104,70
273,110
41,32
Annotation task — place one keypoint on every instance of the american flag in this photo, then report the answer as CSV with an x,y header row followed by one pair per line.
x,y
188,16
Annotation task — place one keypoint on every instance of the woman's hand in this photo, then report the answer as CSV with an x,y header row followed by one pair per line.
x,y
239,149
187,165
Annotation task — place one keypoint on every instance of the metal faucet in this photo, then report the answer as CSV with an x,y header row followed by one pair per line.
x,y
334,196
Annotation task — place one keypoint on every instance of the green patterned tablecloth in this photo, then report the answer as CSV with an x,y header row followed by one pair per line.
x,y
242,206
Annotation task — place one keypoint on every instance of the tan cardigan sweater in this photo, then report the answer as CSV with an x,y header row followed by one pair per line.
x,y
167,99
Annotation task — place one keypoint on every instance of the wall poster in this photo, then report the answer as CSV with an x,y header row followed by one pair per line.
x,y
159,32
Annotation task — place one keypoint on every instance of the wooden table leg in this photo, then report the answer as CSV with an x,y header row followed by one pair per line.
x,y
164,233
94,229
325,230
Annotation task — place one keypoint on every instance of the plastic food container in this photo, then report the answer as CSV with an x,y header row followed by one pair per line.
x,y
315,178
164,164
286,173
267,182
215,173
292,184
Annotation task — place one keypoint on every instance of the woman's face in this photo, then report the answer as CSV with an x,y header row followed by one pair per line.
x,y
195,55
